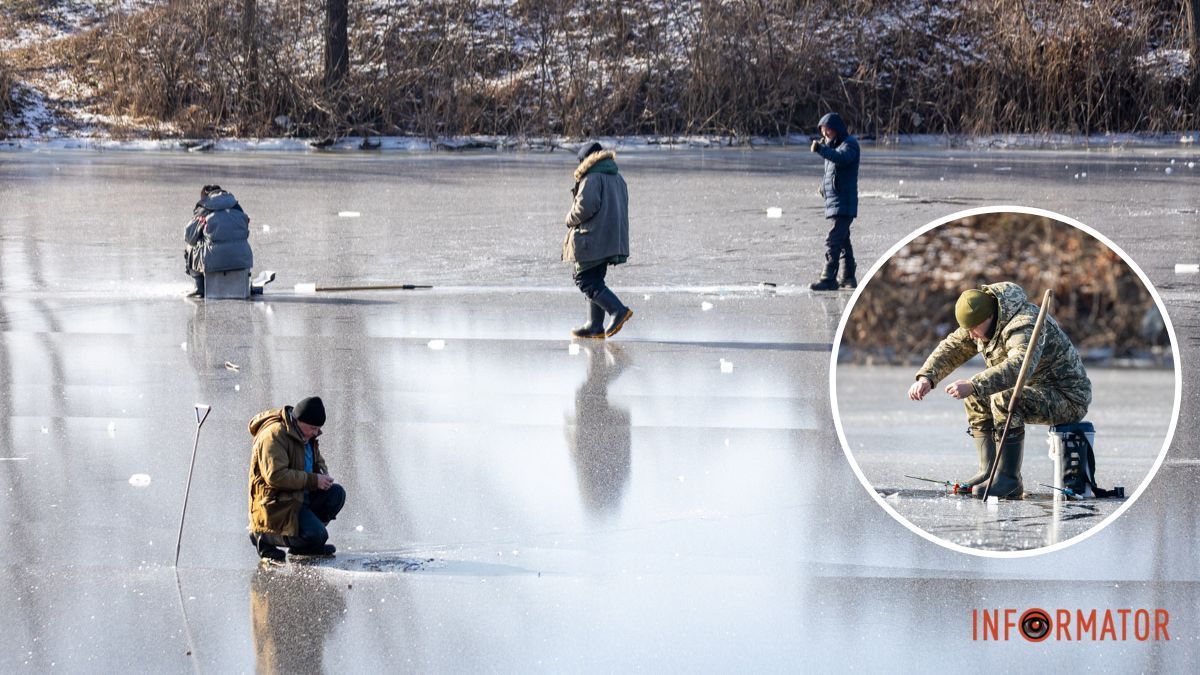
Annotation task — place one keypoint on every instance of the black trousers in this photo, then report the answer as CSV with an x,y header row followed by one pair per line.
x,y
838,248
591,280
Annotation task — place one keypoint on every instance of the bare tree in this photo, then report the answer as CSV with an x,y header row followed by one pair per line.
x,y
337,42
250,44
1192,9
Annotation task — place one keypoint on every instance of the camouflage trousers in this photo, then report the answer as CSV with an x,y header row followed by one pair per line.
x,y
1038,405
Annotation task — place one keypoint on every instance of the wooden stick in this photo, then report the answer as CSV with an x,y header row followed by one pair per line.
x,y
1016,397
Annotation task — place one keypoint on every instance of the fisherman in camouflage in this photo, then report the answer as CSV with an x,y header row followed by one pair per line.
x,y
997,322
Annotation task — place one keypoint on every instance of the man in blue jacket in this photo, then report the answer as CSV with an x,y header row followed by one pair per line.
x,y
217,238
840,190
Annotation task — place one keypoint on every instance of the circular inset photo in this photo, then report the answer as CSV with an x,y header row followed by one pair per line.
x,y
1005,382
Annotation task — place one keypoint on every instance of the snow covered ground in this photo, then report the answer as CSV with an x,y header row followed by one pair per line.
x,y
709,522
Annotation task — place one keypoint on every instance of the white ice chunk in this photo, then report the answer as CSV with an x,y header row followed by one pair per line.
x,y
266,228
993,500
726,366
112,429
183,346
358,529
139,480
705,306
573,349
437,344
348,214
1168,170
1183,268
774,212
45,430
645,297
305,288
237,387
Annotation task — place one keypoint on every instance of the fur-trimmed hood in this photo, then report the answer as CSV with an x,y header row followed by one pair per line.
x,y
592,160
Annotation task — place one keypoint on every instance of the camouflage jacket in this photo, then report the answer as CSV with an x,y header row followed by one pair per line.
x,y
1055,363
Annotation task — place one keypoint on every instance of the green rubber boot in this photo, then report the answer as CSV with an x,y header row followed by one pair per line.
x,y
986,447
1007,484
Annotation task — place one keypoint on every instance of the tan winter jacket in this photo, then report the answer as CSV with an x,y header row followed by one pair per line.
x,y
277,476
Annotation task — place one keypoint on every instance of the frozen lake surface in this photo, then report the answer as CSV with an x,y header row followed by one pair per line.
x,y
612,507
892,438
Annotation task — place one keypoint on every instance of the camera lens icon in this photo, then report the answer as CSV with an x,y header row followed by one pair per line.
x,y
1035,625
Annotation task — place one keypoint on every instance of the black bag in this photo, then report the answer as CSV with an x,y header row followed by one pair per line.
x,y
1079,461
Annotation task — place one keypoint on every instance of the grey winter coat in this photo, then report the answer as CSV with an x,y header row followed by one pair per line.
x,y
840,185
598,223
218,237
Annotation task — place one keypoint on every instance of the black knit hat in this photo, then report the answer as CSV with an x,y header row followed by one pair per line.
x,y
208,190
588,149
310,411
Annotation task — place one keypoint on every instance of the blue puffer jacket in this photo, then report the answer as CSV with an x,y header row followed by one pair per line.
x,y
219,235
840,186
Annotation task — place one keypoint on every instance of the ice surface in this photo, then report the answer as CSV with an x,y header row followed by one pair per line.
x,y
767,555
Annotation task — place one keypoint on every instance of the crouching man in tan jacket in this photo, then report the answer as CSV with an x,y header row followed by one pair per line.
x,y
292,495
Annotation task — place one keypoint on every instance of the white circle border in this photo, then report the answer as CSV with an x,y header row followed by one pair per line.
x,y
837,418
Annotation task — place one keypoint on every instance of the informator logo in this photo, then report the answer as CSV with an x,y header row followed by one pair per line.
x,y
1070,625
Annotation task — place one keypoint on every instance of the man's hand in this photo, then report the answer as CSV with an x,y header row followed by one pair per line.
x,y
324,481
919,388
960,389
814,145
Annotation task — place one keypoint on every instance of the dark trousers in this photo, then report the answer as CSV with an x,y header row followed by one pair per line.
x,y
591,280
838,248
322,507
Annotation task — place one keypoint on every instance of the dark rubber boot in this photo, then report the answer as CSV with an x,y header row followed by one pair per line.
x,y
1007,484
828,280
266,549
612,306
199,290
986,447
594,328
326,550
848,278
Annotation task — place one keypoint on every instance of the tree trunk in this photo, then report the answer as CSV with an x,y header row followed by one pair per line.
x,y
337,42
250,44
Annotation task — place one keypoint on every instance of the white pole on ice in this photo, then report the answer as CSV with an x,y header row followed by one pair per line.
x,y
201,415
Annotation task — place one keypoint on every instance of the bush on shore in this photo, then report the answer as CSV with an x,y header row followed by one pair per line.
x,y
908,306
565,67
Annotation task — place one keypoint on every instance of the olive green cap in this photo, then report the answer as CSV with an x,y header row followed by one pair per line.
x,y
973,308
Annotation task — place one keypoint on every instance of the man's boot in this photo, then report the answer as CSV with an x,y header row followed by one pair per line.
x,y
264,544
199,290
594,328
828,280
322,551
1007,484
848,278
985,445
612,306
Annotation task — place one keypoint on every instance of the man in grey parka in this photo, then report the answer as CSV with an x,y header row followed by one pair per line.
x,y
217,238
840,190
598,236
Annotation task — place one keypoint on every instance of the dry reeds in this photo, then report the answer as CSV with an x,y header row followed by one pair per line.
x,y
725,67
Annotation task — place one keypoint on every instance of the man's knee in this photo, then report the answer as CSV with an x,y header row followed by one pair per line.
x,y
329,503
336,498
591,284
